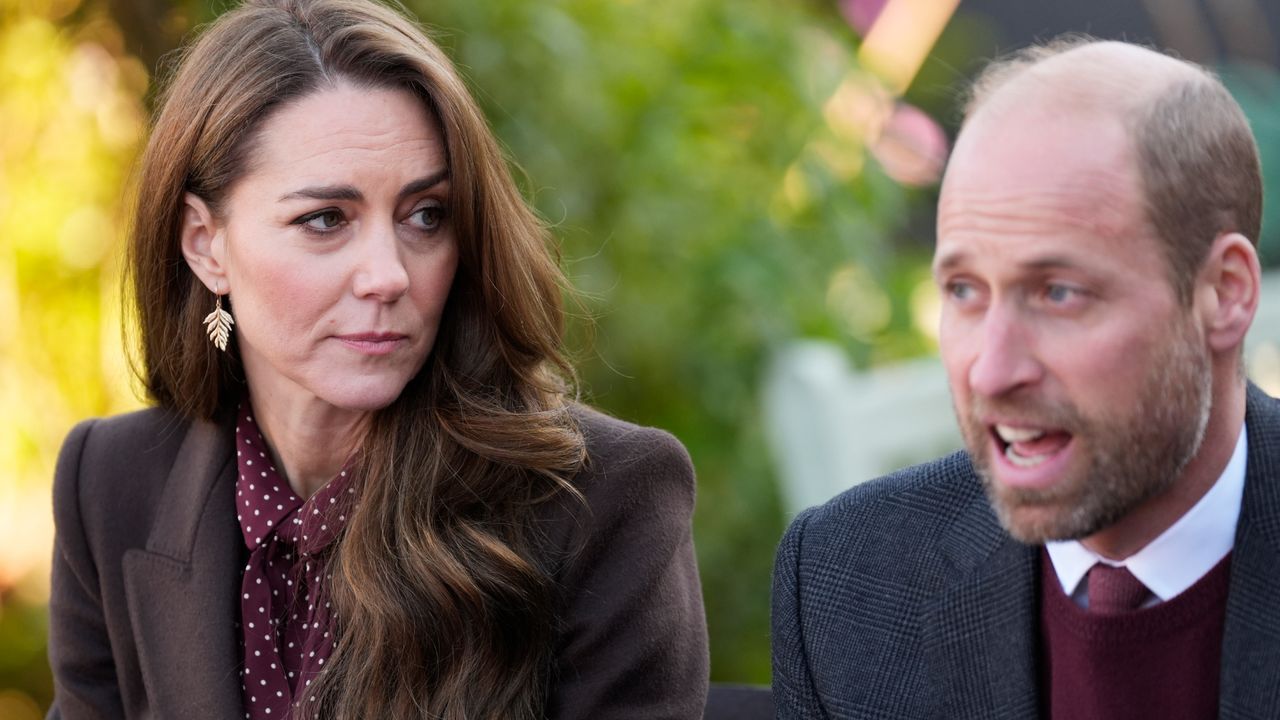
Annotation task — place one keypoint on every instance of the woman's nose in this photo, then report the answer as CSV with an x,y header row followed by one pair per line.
x,y
380,273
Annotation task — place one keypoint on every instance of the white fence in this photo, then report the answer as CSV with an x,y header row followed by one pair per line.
x,y
831,427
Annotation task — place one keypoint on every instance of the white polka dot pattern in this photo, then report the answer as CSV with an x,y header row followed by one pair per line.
x,y
285,611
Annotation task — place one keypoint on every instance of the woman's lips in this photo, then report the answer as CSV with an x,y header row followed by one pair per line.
x,y
373,343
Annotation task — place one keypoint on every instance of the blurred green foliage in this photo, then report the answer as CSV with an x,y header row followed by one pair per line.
x,y
70,122
1257,89
706,204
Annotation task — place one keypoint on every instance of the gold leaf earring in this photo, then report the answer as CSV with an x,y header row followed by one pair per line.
x,y
218,323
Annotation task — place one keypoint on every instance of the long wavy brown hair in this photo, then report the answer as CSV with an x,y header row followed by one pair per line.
x,y
442,607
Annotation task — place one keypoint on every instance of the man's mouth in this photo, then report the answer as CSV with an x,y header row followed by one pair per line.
x,y
1028,447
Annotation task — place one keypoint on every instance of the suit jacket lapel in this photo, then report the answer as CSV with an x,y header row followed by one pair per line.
x,y
980,632
1250,680
183,589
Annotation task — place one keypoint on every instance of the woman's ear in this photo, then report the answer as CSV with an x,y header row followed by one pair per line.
x,y
204,243
1231,279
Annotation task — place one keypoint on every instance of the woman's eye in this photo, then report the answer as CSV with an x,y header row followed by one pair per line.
x,y
428,217
322,221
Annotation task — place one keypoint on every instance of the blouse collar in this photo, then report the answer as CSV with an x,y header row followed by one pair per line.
x,y
266,504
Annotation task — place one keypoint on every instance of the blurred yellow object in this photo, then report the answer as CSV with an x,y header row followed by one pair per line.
x,y
859,108
901,38
926,308
71,117
17,705
854,296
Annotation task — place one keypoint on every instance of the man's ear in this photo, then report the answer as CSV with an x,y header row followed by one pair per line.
x,y
204,243
1228,286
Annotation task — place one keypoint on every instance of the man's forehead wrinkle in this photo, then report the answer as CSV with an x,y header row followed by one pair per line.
x,y
1093,203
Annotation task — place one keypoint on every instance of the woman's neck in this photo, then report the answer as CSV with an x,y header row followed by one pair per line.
x,y
309,440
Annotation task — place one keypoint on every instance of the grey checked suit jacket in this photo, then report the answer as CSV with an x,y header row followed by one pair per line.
x,y
903,598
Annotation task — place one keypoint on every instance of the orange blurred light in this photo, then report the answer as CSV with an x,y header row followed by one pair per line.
x,y
17,705
902,37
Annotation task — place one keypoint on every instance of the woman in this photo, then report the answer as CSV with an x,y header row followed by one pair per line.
x,y
364,491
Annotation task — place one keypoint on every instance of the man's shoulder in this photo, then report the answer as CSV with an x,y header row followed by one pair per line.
x,y
855,579
896,527
1262,416
928,492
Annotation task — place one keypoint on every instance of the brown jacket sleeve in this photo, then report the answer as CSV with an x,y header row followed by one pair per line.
x,y
80,656
634,638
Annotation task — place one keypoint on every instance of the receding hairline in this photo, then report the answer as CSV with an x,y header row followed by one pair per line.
x,y
1193,148
1080,73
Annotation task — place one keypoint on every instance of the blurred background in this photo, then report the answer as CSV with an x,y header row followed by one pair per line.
x,y
743,190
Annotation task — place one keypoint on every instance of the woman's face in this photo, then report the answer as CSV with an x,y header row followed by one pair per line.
x,y
337,248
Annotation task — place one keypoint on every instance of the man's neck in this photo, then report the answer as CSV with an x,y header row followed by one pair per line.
x,y
1146,522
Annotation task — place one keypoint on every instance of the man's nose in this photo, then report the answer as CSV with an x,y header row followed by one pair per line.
x,y
1005,358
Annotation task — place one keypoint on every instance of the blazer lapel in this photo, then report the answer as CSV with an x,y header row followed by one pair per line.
x,y
1250,680
980,633
183,590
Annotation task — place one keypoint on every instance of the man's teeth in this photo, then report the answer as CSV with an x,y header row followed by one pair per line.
x,y
1014,434
1022,460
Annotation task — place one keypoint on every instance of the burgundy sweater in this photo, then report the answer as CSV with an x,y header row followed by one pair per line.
x,y
1157,662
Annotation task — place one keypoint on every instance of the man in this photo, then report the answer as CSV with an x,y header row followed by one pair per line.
x,y
1109,544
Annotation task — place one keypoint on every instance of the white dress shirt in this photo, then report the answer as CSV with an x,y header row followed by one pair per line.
x,y
1179,556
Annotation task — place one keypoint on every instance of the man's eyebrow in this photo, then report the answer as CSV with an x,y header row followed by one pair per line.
x,y
1051,262
949,260
346,192
956,258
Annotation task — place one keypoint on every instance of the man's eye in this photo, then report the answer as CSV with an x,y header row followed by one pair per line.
x,y
321,221
1058,294
959,290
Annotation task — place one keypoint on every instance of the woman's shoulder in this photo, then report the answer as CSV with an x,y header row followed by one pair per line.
x,y
116,465
633,636
636,488
120,443
151,422
632,475
613,444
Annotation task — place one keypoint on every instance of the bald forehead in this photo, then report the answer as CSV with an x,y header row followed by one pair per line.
x,y
1054,142
1100,77
1069,97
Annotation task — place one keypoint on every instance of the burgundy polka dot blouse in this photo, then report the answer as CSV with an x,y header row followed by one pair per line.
x,y
285,610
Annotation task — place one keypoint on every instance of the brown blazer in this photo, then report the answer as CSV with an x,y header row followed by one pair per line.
x,y
148,557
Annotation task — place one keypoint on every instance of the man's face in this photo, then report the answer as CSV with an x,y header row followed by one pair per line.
x,y
1081,384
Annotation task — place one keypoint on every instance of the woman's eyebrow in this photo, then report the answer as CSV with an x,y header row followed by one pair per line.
x,y
324,192
425,183
347,192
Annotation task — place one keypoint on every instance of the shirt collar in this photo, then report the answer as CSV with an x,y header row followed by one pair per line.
x,y
1184,552
263,498
266,504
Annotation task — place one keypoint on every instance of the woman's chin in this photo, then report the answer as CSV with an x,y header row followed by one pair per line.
x,y
368,397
